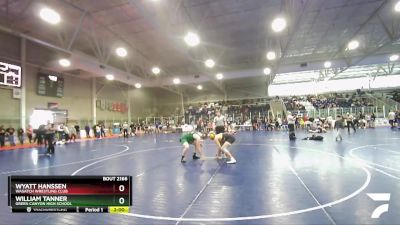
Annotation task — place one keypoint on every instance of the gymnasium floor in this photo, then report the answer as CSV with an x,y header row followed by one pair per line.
x,y
274,182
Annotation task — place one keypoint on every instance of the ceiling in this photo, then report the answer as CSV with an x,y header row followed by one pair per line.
x,y
235,33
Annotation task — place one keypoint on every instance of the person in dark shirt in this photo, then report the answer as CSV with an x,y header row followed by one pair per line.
x,y
102,130
339,125
373,117
314,138
20,135
29,133
49,135
2,136
78,131
11,132
133,129
87,129
40,134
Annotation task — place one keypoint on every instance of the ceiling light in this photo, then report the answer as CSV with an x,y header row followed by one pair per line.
x,y
64,62
155,70
121,52
353,45
50,16
219,76
271,55
137,85
192,39
267,71
278,24
327,64
110,77
394,58
177,81
199,87
209,63
397,7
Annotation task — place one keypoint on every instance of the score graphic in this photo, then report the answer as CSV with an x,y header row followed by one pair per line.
x,y
87,194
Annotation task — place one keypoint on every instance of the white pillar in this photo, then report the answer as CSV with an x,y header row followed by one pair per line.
x,y
384,111
129,106
94,97
23,86
183,108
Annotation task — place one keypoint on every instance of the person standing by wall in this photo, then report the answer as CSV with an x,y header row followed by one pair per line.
x,y
72,134
349,121
20,135
87,130
10,131
125,128
29,133
133,129
49,136
391,118
291,123
373,117
219,123
66,133
78,131
338,126
102,130
398,118
2,136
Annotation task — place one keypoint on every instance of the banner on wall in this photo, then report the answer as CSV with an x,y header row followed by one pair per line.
x,y
10,75
111,106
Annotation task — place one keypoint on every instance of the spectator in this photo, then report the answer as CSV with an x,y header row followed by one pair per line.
x,y
102,132
87,130
133,129
78,131
391,118
29,133
10,131
2,136
373,117
20,135
49,136
66,133
97,130
339,125
73,133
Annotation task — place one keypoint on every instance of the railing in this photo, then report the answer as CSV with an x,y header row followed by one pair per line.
x,y
15,122
379,111
333,112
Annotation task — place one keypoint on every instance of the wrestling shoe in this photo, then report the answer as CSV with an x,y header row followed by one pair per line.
x,y
231,161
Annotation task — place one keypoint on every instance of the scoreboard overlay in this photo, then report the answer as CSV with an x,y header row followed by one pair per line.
x,y
75,194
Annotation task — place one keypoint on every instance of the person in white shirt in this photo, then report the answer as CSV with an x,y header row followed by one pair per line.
x,y
391,118
291,122
125,128
349,121
66,133
219,123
